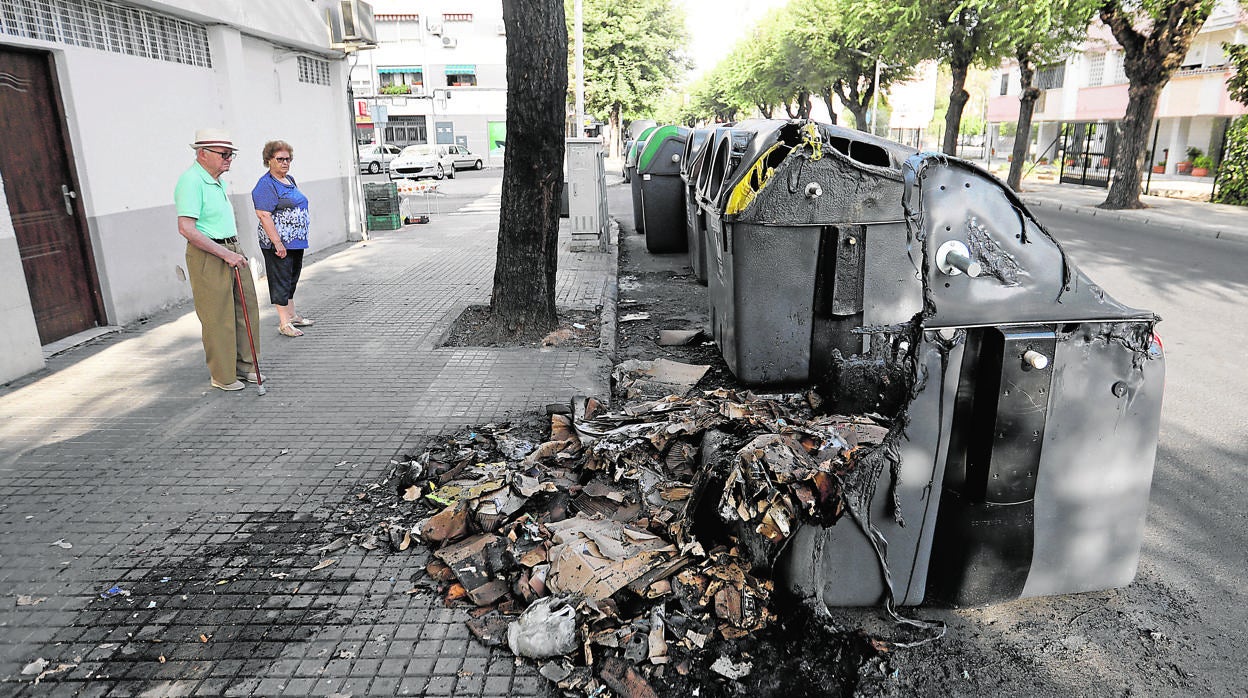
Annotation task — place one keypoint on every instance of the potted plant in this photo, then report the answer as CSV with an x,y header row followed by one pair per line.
x,y
1201,165
1185,167
1160,167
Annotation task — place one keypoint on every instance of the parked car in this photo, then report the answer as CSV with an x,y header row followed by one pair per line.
x,y
375,158
423,160
464,159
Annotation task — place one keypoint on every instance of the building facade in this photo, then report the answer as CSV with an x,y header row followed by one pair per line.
x,y
438,75
1084,96
99,102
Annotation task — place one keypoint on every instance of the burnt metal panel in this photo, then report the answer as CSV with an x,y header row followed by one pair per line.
x,y
1027,279
838,565
1096,462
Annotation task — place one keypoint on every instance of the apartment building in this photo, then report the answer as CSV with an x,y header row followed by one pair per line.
x,y
99,102
1084,96
438,75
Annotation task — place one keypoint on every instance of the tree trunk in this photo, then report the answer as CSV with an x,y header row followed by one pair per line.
x,y
803,105
958,97
788,109
617,138
826,93
1022,135
765,109
860,116
523,302
854,100
1124,192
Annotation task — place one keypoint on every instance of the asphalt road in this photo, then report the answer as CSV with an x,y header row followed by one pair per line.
x,y
1197,534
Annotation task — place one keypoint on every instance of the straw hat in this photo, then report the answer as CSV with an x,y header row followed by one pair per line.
x,y
213,137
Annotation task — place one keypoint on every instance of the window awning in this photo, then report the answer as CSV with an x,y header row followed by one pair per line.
x,y
461,70
401,69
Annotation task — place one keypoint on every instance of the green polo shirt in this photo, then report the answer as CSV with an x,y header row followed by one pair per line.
x,y
203,198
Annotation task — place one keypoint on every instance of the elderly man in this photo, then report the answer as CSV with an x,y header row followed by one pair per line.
x,y
206,220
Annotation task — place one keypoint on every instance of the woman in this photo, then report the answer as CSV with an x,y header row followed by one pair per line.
x,y
283,232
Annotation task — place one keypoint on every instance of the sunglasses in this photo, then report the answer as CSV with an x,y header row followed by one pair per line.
x,y
227,155
283,159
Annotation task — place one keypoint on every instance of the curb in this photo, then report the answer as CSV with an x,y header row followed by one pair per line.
x,y
1163,221
610,308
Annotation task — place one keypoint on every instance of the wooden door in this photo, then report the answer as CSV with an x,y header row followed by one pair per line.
x,y
41,189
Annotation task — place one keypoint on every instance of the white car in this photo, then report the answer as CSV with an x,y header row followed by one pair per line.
x,y
375,158
464,159
423,160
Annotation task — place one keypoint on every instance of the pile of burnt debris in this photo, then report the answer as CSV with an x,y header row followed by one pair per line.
x,y
614,546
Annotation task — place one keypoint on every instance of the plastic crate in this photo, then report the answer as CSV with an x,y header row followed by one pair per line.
x,y
382,207
391,221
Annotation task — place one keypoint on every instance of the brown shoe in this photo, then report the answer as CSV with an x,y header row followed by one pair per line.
x,y
236,385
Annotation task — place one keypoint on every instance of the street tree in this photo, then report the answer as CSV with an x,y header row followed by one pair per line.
x,y
1155,36
1045,30
956,32
633,51
522,305
839,45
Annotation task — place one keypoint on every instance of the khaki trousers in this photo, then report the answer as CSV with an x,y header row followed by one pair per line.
x,y
221,313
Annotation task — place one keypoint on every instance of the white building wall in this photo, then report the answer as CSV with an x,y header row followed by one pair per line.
x,y
130,124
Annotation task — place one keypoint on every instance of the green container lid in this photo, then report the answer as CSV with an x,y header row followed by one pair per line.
x,y
654,142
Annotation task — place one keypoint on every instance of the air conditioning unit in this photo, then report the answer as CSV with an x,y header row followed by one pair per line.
x,y
435,28
449,42
351,24
417,91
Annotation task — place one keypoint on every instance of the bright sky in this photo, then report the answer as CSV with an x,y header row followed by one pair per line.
x,y
716,25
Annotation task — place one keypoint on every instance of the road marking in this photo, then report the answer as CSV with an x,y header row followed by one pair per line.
x,y
486,205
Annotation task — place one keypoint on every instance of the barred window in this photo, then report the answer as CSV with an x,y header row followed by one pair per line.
x,y
313,70
1051,77
106,25
1096,69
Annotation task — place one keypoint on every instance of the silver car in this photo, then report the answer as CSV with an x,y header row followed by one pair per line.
x,y
423,160
376,158
464,159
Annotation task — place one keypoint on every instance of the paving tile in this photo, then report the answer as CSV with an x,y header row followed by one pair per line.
x,y
191,499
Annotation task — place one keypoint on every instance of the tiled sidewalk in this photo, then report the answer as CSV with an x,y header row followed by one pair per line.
x,y
208,508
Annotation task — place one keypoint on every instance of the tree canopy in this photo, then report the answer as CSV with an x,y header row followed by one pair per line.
x,y
1155,36
634,52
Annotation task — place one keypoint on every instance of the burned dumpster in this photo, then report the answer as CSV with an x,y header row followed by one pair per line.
x,y
662,192
690,162
1024,433
791,209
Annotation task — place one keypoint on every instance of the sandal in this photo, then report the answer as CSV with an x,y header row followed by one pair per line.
x,y
289,330
301,321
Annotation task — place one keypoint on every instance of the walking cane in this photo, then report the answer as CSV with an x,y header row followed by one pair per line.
x,y
238,280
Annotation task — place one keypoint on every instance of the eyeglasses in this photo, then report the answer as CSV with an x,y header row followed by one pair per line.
x,y
283,159
227,155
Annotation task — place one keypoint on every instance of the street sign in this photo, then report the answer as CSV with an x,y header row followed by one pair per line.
x,y
381,114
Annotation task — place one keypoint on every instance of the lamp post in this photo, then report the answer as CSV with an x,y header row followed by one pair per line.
x,y
578,13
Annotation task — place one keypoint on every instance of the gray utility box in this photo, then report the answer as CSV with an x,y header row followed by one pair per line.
x,y
662,191
587,193
695,238
787,204
1030,417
